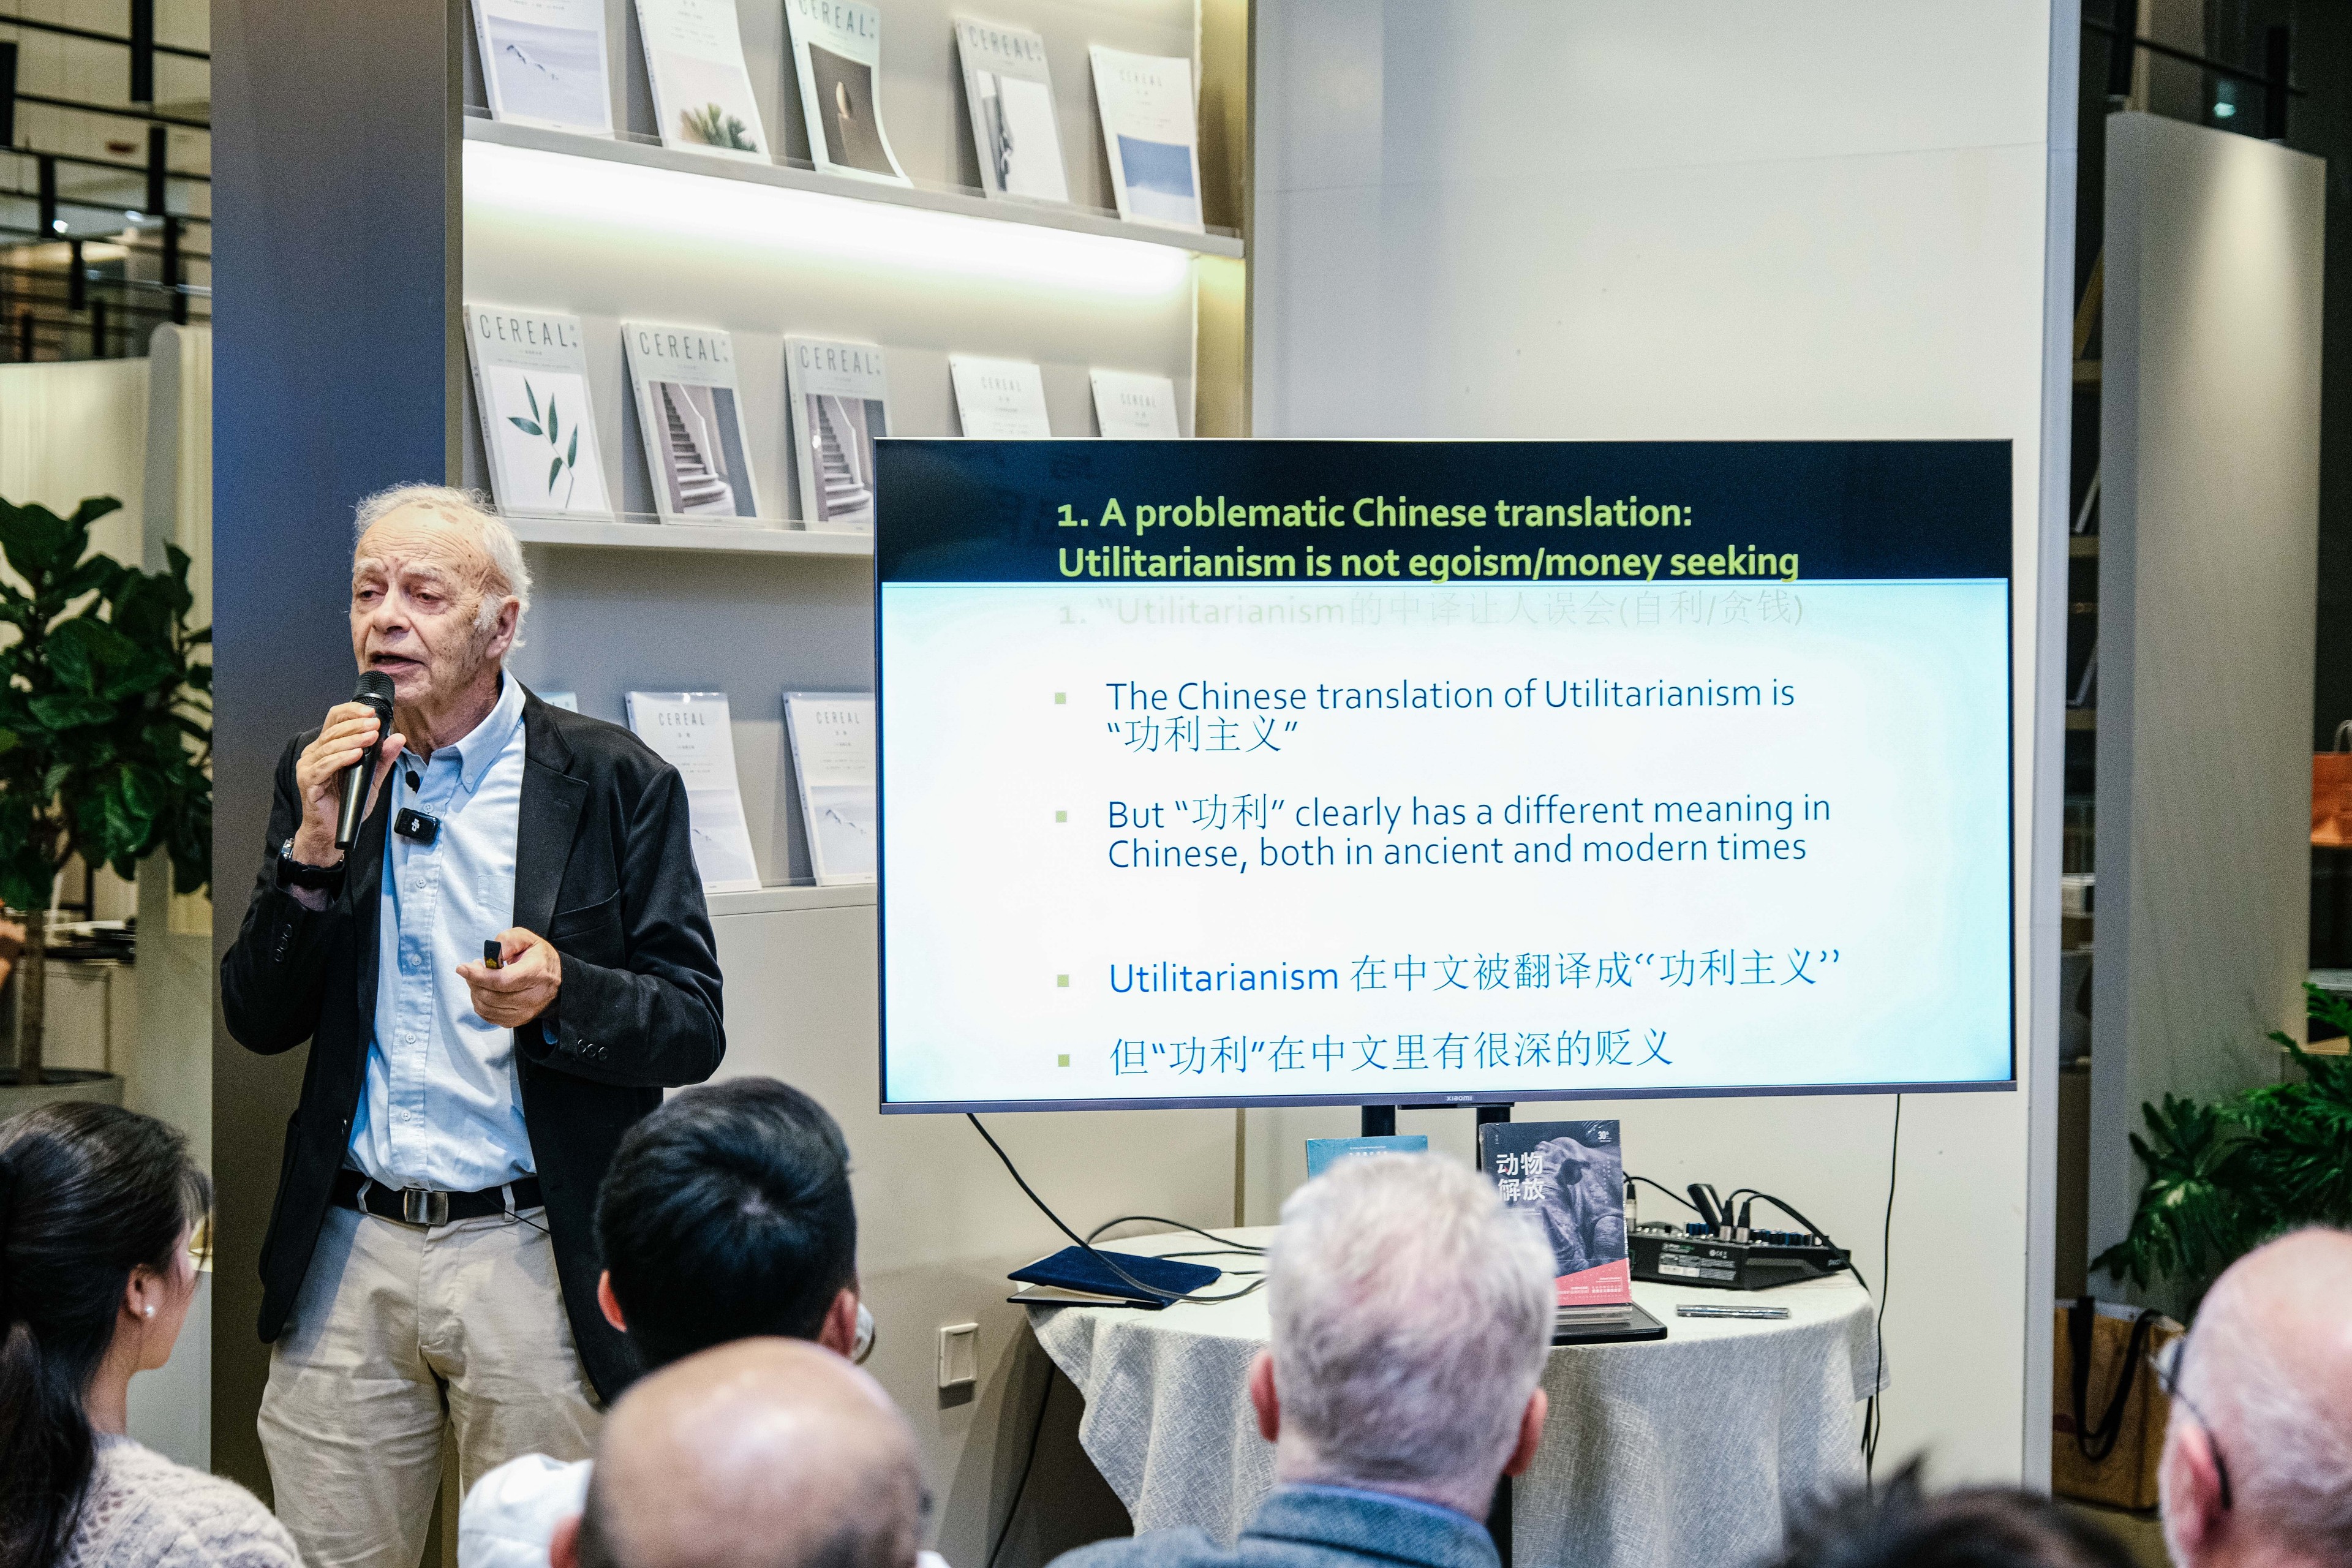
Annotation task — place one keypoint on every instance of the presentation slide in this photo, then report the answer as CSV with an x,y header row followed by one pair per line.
x,y
1424,773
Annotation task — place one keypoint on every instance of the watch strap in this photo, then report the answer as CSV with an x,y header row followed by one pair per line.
x,y
293,873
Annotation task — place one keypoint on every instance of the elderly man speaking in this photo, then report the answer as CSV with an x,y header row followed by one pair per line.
x,y
429,1262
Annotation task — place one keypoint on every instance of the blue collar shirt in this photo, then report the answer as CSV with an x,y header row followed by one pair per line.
x,y
443,1103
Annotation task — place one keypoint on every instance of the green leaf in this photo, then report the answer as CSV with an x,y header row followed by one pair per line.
x,y
520,423
554,468
572,455
527,392
551,420
68,710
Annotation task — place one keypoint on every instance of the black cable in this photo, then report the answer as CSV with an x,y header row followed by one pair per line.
x,y
1241,1246
1795,1214
1164,1298
1668,1191
1875,1417
1013,1509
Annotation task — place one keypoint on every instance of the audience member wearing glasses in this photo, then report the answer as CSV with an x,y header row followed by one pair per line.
x,y
760,1453
1412,1316
2258,1454
1979,1526
726,1214
97,1206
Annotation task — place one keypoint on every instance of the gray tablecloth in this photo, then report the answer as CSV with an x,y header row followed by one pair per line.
x,y
1691,1452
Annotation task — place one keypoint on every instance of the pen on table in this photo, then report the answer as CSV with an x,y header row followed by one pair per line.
x,y
1687,1310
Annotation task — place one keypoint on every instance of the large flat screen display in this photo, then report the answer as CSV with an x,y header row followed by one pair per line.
x,y
1244,772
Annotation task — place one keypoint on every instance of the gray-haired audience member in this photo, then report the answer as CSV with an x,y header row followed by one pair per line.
x,y
764,1453
1980,1527
1412,1316
2258,1454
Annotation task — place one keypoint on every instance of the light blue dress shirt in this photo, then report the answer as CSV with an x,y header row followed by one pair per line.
x,y
442,1104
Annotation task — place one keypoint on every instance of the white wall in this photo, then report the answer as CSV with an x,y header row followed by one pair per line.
x,y
2209,453
1699,219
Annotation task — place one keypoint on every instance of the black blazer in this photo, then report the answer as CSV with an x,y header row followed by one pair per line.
x,y
604,869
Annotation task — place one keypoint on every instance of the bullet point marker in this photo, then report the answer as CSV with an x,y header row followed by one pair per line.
x,y
1060,697
1061,817
1063,981
1062,1062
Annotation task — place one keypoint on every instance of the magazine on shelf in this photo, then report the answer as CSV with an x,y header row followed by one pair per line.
x,y
690,414
1014,126
543,63
702,91
1569,1178
839,407
539,424
689,731
831,737
1133,407
1322,1153
837,54
999,399
1147,130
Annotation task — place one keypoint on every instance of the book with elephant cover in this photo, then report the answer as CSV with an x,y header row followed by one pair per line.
x,y
837,54
703,90
539,424
1569,1179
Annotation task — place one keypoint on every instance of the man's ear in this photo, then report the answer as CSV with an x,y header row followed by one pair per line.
x,y
838,1333
2191,1487
1532,1420
608,1303
1263,1396
563,1546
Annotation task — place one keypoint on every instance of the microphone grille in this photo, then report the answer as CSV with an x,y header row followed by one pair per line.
x,y
374,688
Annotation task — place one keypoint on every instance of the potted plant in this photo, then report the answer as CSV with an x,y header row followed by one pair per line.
x,y
105,740
2224,1178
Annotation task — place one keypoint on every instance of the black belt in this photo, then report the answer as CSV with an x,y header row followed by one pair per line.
x,y
421,1205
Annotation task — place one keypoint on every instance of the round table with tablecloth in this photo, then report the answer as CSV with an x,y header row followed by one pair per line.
x,y
1694,1451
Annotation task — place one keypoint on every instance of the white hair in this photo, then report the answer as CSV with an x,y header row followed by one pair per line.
x,y
472,509
2260,1369
1412,1317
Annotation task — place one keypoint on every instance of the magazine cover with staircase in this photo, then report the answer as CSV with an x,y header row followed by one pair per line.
x,y
839,396
691,418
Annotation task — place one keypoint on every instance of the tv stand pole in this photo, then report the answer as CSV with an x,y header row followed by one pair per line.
x,y
1379,1122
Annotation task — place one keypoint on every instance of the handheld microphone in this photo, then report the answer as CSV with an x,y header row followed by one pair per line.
x,y
375,690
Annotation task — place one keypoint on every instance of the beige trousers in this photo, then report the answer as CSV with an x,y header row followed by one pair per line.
x,y
400,1332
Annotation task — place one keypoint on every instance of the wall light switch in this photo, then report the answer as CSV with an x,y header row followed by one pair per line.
x,y
959,1355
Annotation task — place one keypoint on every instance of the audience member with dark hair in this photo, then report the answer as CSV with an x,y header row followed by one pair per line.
x,y
760,1453
725,1215
1978,1527
2257,1469
1412,1317
97,1206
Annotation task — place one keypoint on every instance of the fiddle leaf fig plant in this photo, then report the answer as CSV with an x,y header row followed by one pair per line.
x,y
105,726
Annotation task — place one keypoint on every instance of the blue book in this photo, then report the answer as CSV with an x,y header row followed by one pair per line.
x,y
1076,1270
1322,1152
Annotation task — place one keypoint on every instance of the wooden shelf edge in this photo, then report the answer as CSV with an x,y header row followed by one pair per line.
x,y
1071,220
792,901
691,536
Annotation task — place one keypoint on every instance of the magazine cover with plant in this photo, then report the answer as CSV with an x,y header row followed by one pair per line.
x,y
2224,1178
105,726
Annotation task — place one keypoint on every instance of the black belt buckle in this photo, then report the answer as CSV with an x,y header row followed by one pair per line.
x,y
420,1207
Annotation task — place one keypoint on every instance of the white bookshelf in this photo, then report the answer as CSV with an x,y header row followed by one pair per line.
x,y
695,537
967,204
787,901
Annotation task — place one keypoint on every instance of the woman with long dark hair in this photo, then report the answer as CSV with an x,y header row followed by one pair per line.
x,y
97,1206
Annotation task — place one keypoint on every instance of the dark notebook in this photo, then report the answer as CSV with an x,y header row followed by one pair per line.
x,y
1073,1269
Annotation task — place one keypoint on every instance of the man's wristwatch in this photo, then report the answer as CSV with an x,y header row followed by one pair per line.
x,y
293,873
